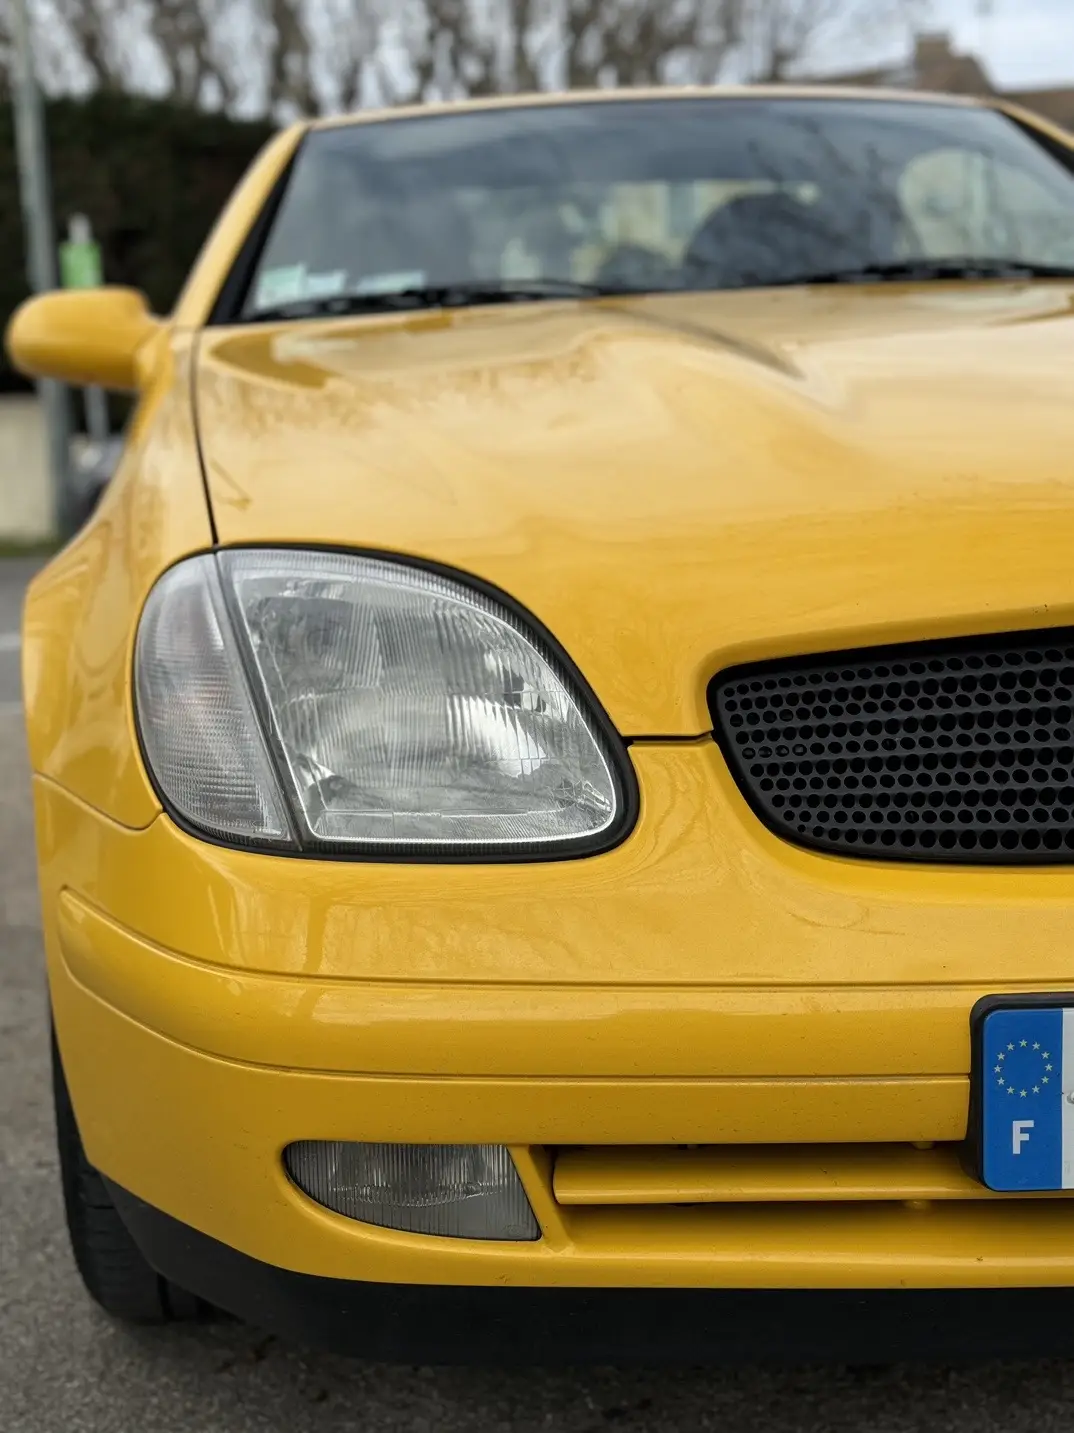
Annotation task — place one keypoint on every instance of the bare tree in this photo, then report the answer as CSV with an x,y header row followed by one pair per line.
x,y
175,47
290,56
79,36
528,35
298,57
446,48
347,40
780,38
186,36
633,42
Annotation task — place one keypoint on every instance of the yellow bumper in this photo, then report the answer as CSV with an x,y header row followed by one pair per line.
x,y
703,984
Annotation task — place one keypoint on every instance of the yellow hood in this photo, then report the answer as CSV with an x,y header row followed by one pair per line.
x,y
673,484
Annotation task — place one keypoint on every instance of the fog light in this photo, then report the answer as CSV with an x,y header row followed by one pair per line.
x,y
461,1191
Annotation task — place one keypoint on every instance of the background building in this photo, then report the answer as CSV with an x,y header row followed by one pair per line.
x,y
936,65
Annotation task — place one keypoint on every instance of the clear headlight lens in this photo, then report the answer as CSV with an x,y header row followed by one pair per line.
x,y
198,726
326,700
458,1191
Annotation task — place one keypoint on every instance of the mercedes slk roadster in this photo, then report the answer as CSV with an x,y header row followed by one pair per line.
x,y
554,754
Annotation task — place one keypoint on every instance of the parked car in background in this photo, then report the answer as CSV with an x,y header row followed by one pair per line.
x,y
92,468
554,754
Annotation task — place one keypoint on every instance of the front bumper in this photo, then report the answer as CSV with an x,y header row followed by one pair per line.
x,y
422,1324
702,984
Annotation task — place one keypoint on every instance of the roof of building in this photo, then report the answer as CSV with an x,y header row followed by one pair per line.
x,y
935,65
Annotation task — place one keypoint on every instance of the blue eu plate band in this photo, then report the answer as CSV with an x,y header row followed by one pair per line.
x,y
1022,1114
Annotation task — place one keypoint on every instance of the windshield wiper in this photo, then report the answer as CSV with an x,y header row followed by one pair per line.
x,y
925,270
458,295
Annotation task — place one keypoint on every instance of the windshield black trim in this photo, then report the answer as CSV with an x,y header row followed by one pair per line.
x,y
229,302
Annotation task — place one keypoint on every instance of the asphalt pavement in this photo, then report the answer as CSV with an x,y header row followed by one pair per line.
x,y
66,1368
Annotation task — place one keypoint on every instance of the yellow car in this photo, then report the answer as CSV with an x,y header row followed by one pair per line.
x,y
554,756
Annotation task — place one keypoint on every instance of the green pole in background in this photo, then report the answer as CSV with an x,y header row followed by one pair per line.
x,y
80,268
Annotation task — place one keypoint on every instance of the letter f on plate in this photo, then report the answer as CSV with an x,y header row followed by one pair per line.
x,y
1020,1134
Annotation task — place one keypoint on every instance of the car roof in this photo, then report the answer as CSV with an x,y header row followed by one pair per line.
x,y
679,92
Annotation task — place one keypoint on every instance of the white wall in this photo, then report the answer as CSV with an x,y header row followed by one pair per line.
x,y
25,493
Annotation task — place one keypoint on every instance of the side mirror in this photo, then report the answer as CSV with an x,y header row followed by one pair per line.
x,y
87,337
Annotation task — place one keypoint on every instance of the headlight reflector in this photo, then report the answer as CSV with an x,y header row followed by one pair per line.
x,y
404,710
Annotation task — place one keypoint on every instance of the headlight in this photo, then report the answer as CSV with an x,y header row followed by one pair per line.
x,y
321,701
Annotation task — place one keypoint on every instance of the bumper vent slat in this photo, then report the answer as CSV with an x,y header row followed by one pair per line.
x,y
763,1174
954,751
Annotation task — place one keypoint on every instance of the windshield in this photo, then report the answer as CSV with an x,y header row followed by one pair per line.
x,y
658,194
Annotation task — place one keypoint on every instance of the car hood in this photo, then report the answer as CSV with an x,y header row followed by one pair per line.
x,y
674,484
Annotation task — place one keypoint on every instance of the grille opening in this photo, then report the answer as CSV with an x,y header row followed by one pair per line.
x,y
955,751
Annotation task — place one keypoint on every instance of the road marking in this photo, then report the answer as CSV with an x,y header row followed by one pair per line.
x,y
10,641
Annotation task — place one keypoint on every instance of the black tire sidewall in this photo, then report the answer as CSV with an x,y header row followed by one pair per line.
x,y
112,1267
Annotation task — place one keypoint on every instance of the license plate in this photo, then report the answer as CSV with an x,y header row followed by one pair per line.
x,y
1024,1092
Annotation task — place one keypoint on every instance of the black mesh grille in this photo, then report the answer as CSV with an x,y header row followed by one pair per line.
x,y
955,751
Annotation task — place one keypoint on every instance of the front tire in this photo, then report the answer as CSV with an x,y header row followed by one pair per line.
x,y
112,1267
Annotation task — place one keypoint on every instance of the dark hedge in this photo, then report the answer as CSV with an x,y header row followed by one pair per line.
x,y
152,177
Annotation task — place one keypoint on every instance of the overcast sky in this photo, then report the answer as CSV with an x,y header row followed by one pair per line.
x,y
1023,42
